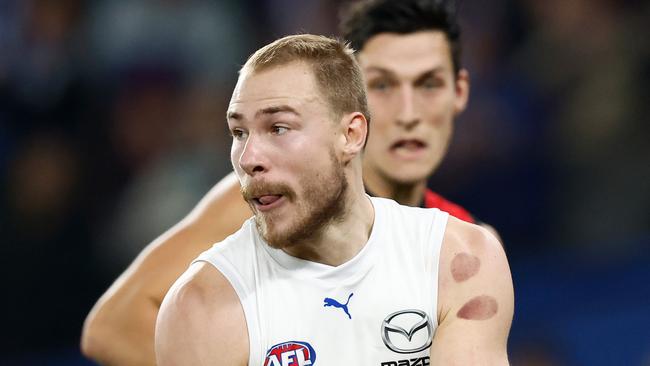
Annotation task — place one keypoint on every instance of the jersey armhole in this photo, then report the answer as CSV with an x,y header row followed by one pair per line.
x,y
437,234
247,299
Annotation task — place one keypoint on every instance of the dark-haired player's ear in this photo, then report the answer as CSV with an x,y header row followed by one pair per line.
x,y
355,132
461,89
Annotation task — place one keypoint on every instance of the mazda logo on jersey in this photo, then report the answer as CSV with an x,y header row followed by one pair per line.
x,y
407,331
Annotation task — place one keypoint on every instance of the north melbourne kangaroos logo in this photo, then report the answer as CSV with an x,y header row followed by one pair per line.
x,y
336,304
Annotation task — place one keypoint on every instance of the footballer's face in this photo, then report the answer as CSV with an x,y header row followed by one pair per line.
x,y
414,97
283,152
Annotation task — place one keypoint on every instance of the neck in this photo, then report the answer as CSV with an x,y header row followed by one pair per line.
x,y
409,194
343,239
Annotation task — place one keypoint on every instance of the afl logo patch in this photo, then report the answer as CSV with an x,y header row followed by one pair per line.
x,y
290,353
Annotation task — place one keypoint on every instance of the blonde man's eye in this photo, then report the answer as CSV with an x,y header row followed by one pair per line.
x,y
280,130
237,134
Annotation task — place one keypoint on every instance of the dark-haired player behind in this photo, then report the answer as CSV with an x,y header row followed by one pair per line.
x,y
409,52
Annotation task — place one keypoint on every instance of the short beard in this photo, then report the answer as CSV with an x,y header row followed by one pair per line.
x,y
326,205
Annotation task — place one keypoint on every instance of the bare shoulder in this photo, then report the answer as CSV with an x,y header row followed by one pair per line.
x,y
476,299
201,320
471,255
492,231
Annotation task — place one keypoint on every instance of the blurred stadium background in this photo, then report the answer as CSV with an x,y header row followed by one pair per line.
x,y
112,127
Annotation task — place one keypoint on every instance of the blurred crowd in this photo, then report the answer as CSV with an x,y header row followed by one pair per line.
x,y
112,128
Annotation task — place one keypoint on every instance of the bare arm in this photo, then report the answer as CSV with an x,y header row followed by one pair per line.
x,y
120,328
201,322
476,299
493,231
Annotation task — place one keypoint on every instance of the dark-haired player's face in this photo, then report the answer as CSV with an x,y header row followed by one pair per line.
x,y
413,98
283,152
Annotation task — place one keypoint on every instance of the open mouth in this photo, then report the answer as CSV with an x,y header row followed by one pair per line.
x,y
263,196
408,145
268,201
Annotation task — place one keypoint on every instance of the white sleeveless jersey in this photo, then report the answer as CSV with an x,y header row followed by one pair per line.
x,y
379,308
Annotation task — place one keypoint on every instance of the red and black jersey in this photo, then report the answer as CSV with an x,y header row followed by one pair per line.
x,y
434,200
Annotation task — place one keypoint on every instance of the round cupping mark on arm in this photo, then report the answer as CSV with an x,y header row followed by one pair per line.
x,y
479,308
464,266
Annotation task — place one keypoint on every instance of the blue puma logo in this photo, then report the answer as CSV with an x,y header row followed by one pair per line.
x,y
336,304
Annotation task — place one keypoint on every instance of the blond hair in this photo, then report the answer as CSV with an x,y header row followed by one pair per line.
x,y
338,76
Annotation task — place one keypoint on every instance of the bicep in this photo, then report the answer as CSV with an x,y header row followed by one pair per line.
x,y
201,322
471,342
477,297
